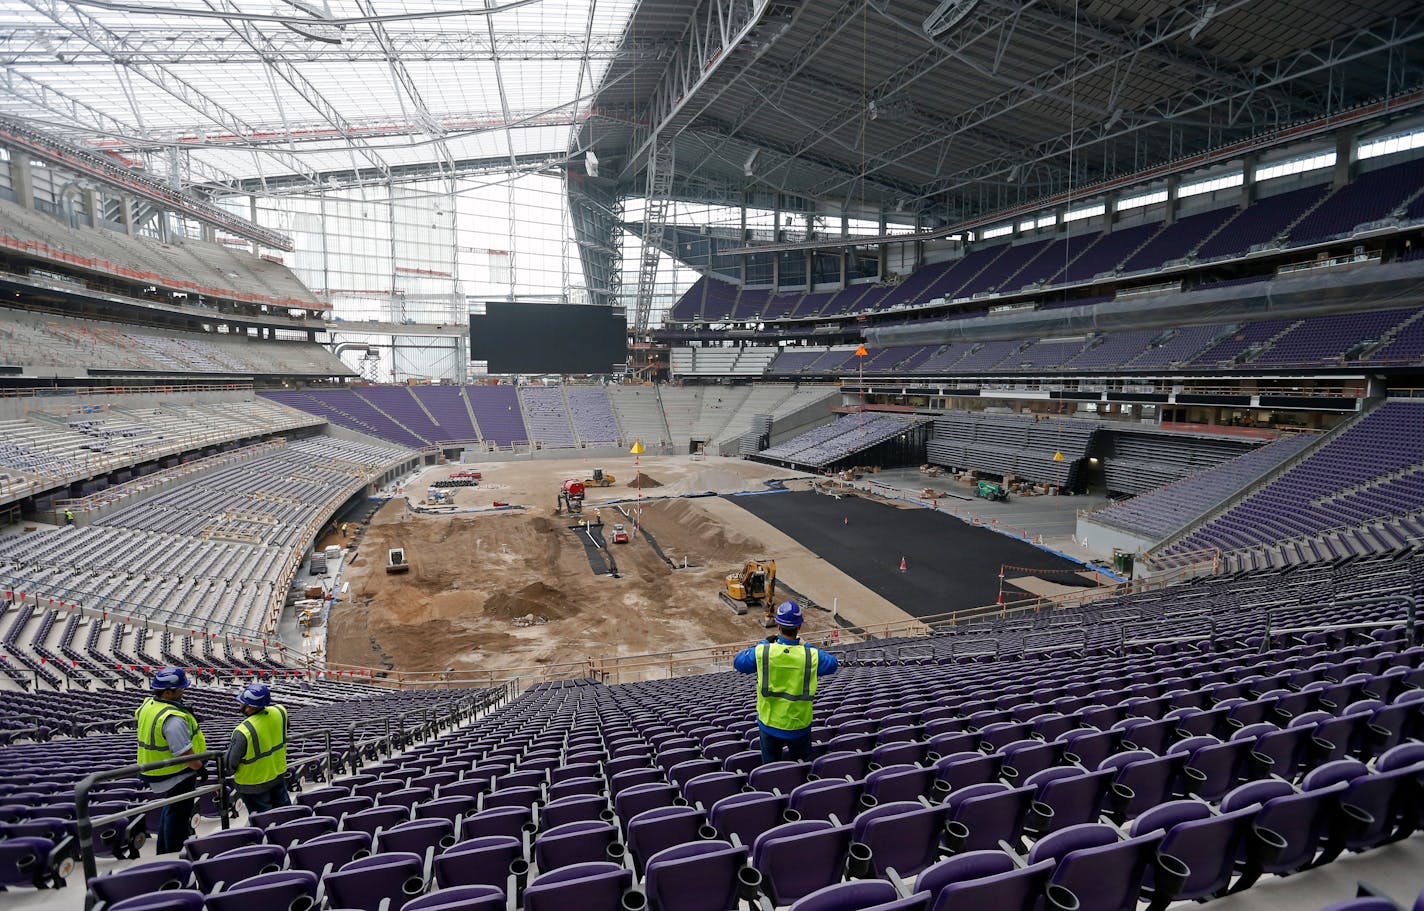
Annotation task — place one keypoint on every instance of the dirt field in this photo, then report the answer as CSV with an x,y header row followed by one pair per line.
x,y
513,589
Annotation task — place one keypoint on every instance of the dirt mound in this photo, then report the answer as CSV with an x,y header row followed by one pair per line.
x,y
536,598
683,529
644,482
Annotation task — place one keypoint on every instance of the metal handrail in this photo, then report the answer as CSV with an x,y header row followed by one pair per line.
x,y
84,824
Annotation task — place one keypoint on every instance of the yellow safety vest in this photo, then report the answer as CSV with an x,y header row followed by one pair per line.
x,y
266,756
152,745
786,684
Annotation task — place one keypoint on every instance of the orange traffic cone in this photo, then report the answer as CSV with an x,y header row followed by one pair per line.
x,y
903,566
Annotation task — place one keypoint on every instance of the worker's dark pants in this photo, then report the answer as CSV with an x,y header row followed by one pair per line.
x,y
270,799
175,821
773,747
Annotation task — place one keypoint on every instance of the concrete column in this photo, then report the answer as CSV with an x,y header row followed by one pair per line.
x,y
126,216
1345,150
1248,183
95,204
21,179
1173,182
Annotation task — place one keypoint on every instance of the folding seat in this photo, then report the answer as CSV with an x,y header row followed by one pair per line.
x,y
1289,827
1023,758
700,876
707,789
1376,807
321,795
469,786
1098,871
983,815
1068,797
634,800
1088,747
216,871
279,815
1212,767
1050,726
1206,843
343,806
487,861
899,782
217,842
622,781
300,830
589,887
742,817
959,770
407,797
829,797
425,837
578,808
687,770
1394,723
841,764
743,762
461,898
1152,779
1402,756
173,900
655,830
368,882
1147,734
904,835
851,743
521,796
511,821
779,776
574,770
521,779
291,889
577,843
451,808
797,858
373,820
329,852
993,736
984,879
618,765
155,876
867,895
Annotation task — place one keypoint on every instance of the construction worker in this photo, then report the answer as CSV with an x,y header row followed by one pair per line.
x,y
167,729
69,517
787,672
257,752
344,526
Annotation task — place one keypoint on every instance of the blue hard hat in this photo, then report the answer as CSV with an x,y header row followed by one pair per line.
x,y
170,678
256,695
788,614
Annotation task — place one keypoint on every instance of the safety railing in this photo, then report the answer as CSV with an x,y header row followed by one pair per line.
x,y
85,824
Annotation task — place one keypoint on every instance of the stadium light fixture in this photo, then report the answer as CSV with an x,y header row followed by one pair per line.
x,y
947,15
747,166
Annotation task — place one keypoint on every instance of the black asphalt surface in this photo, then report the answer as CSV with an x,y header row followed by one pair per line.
x,y
951,565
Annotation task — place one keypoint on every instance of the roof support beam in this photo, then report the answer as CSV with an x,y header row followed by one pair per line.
x,y
1364,43
121,54
254,38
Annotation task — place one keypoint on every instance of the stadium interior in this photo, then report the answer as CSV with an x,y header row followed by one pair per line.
x,y
451,369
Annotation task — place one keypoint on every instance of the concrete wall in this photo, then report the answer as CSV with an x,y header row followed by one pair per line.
x,y
797,422
1100,540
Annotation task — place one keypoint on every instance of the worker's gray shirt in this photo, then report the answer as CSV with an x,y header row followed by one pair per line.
x,y
175,732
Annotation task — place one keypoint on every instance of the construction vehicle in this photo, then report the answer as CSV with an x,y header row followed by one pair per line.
x,y
396,561
599,479
988,490
620,534
752,586
570,497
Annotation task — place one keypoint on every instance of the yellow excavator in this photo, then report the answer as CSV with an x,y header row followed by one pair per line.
x,y
754,585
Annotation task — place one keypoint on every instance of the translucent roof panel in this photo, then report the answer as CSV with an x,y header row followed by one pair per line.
x,y
269,91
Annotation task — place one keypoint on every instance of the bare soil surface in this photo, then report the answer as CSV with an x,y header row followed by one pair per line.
x,y
510,590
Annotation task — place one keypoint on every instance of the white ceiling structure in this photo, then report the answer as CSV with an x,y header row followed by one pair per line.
x,y
273,96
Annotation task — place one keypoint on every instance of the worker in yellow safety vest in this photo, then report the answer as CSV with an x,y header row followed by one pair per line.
x,y
257,751
787,672
168,729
